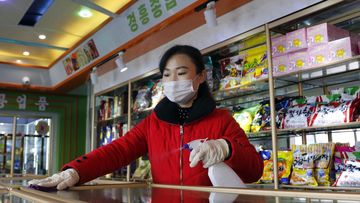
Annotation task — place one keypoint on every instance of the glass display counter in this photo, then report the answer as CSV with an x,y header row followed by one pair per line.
x,y
114,191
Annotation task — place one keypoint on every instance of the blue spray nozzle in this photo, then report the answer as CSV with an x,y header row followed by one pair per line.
x,y
193,144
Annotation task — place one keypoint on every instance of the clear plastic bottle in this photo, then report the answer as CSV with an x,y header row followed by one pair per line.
x,y
220,174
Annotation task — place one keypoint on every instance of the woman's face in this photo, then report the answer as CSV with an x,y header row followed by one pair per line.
x,y
180,67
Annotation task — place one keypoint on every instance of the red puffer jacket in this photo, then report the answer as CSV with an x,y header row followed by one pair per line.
x,y
161,136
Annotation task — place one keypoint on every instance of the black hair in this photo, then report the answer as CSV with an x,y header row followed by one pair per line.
x,y
195,56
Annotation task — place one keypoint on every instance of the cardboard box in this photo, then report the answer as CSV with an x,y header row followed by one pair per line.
x,y
296,40
319,55
278,46
343,49
324,33
299,60
281,65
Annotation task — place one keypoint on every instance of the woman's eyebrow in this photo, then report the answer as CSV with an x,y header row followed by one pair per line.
x,y
178,68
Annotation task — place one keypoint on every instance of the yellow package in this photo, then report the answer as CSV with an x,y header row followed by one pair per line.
x,y
303,177
268,173
285,159
324,156
284,168
322,176
303,165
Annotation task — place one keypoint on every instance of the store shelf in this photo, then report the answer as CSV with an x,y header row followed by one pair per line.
x,y
320,188
331,74
294,131
121,118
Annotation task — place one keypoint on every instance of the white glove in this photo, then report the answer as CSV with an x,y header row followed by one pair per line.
x,y
62,180
210,152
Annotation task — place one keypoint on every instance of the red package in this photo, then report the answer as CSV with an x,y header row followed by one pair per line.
x,y
334,113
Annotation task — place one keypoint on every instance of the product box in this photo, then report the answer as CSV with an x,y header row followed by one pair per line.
x,y
319,55
299,60
343,48
281,65
278,46
296,40
323,33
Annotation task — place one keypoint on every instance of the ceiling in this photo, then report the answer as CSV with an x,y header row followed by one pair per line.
x,y
61,24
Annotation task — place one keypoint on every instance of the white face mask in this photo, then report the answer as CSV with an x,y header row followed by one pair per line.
x,y
180,91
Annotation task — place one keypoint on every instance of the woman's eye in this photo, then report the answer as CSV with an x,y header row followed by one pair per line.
x,y
182,73
166,75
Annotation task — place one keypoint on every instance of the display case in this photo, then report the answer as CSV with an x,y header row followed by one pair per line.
x,y
302,72
111,121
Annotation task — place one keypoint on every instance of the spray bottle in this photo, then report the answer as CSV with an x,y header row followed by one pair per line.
x,y
220,174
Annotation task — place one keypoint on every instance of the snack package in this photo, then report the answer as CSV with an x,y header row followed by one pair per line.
x,y
298,116
143,97
284,167
245,117
303,165
261,119
156,93
232,72
143,170
340,157
254,64
324,153
351,176
334,113
285,159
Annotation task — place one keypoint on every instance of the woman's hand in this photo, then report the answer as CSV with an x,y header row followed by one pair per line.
x,y
210,152
61,180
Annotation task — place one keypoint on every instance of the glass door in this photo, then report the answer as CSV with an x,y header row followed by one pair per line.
x,y
31,145
6,130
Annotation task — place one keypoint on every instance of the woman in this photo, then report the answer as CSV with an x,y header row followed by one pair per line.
x,y
188,112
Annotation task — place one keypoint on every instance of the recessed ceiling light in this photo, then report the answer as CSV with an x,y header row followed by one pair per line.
x,y
42,36
123,69
85,13
26,53
1,123
18,61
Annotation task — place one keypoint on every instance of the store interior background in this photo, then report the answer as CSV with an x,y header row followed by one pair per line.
x,y
70,115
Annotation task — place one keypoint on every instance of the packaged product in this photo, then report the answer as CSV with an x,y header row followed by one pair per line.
x,y
284,167
143,97
278,46
232,73
157,93
319,55
254,64
334,113
245,117
303,165
324,33
299,60
342,49
261,119
298,116
324,153
296,40
281,65
350,177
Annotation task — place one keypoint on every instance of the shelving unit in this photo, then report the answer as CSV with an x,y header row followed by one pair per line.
x,y
304,82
